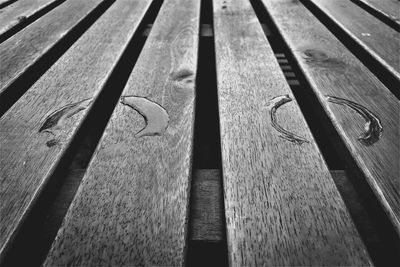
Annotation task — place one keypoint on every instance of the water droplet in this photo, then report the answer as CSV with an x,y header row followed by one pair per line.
x,y
155,116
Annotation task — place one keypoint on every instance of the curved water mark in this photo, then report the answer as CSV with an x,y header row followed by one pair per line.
x,y
373,126
155,116
276,103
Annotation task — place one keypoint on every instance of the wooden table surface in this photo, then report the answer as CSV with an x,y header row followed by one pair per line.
x,y
197,133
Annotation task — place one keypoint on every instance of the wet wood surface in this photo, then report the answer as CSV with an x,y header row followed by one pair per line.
x,y
364,112
388,8
132,206
21,51
20,11
36,131
380,40
281,205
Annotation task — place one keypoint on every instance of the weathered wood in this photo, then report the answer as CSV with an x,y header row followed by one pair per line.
x,y
132,206
388,8
341,82
21,11
378,39
37,129
206,206
282,207
4,3
18,53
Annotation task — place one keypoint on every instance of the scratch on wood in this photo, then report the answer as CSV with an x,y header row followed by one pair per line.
x,y
155,116
276,103
373,126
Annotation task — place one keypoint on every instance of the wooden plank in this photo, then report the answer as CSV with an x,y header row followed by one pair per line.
x,y
341,82
378,39
22,10
21,51
282,207
131,208
36,131
388,8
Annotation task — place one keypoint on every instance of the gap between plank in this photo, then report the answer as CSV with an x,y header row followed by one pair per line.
x,y
207,245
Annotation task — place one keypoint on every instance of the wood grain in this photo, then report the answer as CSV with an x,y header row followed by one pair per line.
x,y
21,11
377,38
132,206
388,8
31,143
333,71
18,53
281,205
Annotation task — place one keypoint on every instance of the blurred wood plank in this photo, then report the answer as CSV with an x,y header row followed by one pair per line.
x,y
349,93
282,207
378,39
22,10
132,206
36,131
